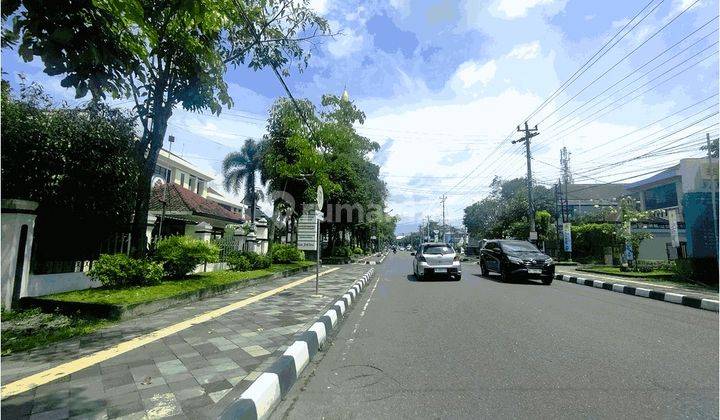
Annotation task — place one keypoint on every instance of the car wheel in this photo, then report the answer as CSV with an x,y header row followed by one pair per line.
x,y
505,276
547,280
457,277
483,270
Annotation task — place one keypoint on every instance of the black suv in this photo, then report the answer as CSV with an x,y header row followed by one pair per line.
x,y
516,259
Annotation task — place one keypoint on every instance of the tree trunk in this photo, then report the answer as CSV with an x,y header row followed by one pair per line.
x,y
139,245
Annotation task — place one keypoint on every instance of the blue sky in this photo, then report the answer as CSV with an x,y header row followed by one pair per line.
x,y
444,83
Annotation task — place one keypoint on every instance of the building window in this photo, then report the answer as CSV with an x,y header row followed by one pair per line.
x,y
162,172
660,197
191,185
200,185
182,179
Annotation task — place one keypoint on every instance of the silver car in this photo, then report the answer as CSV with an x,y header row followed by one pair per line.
x,y
436,258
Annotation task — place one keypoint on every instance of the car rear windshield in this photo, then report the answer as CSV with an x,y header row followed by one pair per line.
x,y
438,249
519,247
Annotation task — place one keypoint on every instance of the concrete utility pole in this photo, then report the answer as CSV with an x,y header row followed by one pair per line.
x,y
529,133
567,178
427,231
171,139
443,198
712,189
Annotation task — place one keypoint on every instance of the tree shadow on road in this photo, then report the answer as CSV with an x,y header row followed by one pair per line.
x,y
498,279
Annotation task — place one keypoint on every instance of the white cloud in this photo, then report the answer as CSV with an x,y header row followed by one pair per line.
x,y
525,51
319,6
471,72
518,8
345,43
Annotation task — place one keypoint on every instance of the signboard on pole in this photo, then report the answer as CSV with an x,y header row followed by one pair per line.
x,y
567,236
672,220
533,236
307,232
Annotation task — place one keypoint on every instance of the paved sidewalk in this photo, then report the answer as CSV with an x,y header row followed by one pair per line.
x,y
183,374
663,286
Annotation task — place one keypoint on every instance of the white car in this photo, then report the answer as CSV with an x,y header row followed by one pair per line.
x,y
436,258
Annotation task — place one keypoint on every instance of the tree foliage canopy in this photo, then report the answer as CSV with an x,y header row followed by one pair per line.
x,y
78,163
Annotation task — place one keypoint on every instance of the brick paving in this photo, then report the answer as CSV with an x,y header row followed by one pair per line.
x,y
184,375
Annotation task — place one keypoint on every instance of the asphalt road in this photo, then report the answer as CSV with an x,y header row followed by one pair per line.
x,y
481,348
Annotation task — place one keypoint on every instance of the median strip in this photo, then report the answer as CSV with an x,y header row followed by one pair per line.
x,y
690,301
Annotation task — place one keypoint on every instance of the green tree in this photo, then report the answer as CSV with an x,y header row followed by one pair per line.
x,y
505,211
77,163
242,170
628,215
160,54
324,149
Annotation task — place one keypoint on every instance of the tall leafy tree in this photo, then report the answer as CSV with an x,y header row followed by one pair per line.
x,y
241,170
77,163
161,54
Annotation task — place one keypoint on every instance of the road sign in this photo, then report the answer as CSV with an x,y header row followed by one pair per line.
x,y
307,231
567,236
320,197
533,236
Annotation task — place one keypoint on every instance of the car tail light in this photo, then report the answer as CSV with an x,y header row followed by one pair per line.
x,y
421,259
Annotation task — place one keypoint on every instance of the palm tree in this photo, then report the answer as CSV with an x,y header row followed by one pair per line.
x,y
242,169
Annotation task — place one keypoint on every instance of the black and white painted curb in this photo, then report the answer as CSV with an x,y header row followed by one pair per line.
x,y
380,261
272,385
693,302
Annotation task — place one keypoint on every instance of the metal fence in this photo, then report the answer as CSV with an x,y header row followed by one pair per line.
x,y
227,246
116,244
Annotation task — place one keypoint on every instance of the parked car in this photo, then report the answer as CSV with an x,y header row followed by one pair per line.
x,y
436,258
516,259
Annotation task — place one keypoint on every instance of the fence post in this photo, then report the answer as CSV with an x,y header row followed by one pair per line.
x,y
18,225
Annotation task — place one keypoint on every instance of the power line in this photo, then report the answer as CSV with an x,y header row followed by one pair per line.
x,y
625,57
657,121
597,114
591,100
588,63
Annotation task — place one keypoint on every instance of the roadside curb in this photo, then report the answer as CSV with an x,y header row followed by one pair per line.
x,y
693,302
380,261
258,401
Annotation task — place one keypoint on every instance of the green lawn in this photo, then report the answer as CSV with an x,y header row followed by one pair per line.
x,y
659,277
169,288
24,330
655,274
28,329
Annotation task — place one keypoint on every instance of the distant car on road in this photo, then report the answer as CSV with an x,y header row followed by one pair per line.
x,y
516,259
436,258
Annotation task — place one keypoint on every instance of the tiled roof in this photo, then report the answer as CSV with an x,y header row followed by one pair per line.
x,y
181,199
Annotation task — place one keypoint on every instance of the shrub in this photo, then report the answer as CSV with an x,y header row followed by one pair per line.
x,y
238,262
358,251
342,251
286,253
704,270
261,262
181,254
120,270
244,261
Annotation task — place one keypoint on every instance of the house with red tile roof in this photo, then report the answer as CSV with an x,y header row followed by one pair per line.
x,y
189,200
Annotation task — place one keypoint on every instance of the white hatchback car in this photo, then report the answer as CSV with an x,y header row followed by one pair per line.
x,y
434,258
